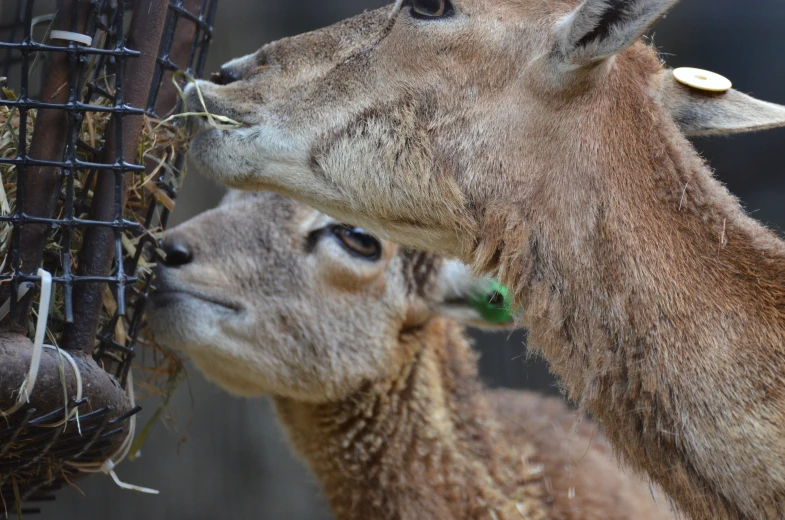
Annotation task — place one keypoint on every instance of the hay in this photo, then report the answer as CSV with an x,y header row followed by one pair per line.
x,y
161,141
162,370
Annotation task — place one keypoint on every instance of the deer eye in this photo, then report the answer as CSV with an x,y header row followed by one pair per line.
x,y
425,9
357,242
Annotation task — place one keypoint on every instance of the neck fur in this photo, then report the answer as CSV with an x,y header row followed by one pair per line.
x,y
415,447
661,306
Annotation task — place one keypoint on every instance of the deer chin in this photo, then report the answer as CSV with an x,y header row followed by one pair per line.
x,y
222,370
253,158
187,321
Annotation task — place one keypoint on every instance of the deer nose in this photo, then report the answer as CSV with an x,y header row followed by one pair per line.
x,y
177,253
225,76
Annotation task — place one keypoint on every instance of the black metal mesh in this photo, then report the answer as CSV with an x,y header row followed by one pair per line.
x,y
89,68
189,31
108,24
70,225
192,33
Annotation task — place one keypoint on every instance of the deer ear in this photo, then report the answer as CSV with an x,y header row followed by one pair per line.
x,y
598,29
702,113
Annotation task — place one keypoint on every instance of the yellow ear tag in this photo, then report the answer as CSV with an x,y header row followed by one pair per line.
x,y
702,79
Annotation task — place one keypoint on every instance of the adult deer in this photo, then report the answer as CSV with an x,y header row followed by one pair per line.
x,y
541,141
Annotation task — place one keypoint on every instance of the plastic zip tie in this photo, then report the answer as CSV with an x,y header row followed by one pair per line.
x,y
38,346
71,37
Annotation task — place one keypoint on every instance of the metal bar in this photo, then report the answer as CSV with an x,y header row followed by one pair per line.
x,y
181,40
122,166
122,140
76,106
32,46
37,186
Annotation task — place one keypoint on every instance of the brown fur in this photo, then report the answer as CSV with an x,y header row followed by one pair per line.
x,y
415,437
499,137
432,444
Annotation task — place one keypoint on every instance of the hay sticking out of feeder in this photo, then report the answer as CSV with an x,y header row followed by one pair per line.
x,y
161,142
162,370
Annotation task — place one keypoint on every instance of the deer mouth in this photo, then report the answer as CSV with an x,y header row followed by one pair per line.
x,y
167,297
200,122
204,113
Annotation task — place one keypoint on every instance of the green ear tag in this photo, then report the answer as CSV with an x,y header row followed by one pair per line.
x,y
494,306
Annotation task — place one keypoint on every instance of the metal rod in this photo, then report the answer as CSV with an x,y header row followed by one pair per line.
x,y
178,54
101,246
38,185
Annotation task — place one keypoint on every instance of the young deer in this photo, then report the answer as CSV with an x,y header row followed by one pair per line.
x,y
375,385
541,141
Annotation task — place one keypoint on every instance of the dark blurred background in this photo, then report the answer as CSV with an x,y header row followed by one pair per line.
x,y
217,457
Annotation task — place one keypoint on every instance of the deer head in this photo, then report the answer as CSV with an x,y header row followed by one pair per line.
x,y
543,141
347,334
417,119
268,296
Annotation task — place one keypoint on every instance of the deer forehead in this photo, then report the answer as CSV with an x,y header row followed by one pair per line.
x,y
484,31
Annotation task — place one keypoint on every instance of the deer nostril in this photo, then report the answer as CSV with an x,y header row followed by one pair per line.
x,y
225,76
177,254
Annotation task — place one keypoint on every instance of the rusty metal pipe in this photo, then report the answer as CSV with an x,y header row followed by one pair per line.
x,y
98,249
40,184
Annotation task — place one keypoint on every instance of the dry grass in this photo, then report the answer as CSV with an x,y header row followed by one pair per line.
x,y
161,369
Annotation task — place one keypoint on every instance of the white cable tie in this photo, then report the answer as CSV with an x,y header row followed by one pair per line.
x,y
131,487
26,390
71,37
108,467
41,19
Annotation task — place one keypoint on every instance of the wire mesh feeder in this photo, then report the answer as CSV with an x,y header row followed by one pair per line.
x,y
88,181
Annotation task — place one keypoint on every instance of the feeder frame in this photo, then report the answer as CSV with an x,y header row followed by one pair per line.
x,y
164,38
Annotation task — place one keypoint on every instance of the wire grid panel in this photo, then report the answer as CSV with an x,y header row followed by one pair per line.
x,y
49,218
95,88
184,47
85,68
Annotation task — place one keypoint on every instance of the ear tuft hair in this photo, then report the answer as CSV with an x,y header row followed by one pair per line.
x,y
612,16
598,29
